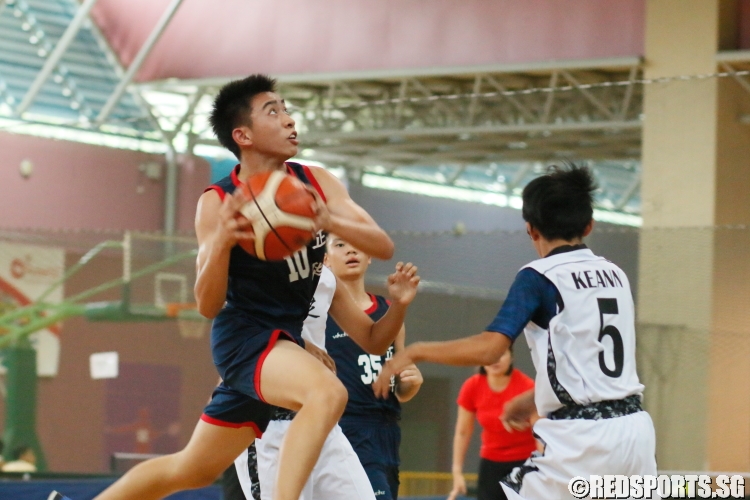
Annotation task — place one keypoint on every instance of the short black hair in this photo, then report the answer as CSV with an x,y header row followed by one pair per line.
x,y
560,204
232,107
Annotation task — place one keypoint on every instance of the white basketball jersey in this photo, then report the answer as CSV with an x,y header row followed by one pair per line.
x,y
314,327
588,352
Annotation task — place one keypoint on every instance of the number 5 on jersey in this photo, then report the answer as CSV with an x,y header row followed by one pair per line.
x,y
609,307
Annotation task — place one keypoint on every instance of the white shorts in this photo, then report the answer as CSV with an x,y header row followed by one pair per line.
x,y
338,474
622,445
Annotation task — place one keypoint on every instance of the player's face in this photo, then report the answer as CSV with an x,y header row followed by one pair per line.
x,y
345,261
273,130
502,366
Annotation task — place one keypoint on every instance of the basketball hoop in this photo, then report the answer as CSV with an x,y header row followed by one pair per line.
x,y
191,324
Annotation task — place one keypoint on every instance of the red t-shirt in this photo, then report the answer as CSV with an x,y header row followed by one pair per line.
x,y
498,444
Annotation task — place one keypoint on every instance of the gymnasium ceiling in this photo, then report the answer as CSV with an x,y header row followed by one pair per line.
x,y
485,127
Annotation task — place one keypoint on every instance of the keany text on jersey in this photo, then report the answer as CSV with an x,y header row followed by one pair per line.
x,y
598,278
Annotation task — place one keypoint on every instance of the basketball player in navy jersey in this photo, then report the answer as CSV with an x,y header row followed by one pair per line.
x,y
577,312
258,308
369,423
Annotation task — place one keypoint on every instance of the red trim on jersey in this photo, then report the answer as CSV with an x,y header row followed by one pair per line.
x,y
314,182
374,305
218,190
233,175
232,425
271,342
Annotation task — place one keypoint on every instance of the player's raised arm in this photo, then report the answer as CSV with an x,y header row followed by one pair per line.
x,y
218,231
376,337
341,215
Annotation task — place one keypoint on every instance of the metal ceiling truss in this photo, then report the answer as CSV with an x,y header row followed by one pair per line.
x,y
55,69
445,125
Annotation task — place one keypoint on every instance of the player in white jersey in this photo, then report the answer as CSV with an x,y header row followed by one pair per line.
x,y
577,312
338,473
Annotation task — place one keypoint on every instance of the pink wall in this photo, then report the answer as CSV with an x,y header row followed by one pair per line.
x,y
79,186
744,28
236,37
194,176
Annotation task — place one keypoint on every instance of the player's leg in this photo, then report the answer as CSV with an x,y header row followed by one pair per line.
x,y
490,475
391,472
231,484
377,474
376,443
580,447
211,450
268,460
635,438
292,378
339,475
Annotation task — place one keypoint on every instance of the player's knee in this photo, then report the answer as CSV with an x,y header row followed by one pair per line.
x,y
339,396
332,396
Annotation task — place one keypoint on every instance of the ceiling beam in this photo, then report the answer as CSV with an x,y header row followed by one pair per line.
x,y
315,136
396,75
138,61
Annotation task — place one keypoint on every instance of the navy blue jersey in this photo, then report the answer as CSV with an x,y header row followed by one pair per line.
x,y
273,294
358,369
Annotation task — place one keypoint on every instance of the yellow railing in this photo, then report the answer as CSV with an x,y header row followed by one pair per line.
x,y
430,483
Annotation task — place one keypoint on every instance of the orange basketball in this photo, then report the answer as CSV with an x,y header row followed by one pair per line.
x,y
280,208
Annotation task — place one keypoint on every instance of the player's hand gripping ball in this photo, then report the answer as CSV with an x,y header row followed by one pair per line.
x,y
281,214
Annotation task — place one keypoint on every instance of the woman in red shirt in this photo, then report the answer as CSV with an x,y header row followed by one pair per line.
x,y
483,395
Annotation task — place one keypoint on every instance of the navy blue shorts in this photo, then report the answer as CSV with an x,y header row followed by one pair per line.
x,y
229,408
239,350
384,480
375,440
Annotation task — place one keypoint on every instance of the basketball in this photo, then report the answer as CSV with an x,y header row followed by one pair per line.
x,y
280,207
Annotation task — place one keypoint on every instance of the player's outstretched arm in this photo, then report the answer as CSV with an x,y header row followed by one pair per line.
x,y
218,231
376,337
410,379
477,350
341,216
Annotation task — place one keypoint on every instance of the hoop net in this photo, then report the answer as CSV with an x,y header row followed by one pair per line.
x,y
190,323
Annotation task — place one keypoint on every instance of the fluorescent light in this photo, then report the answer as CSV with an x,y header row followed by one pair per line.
x,y
477,196
84,136
435,190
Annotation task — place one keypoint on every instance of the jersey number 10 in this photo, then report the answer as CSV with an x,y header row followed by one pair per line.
x,y
299,265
